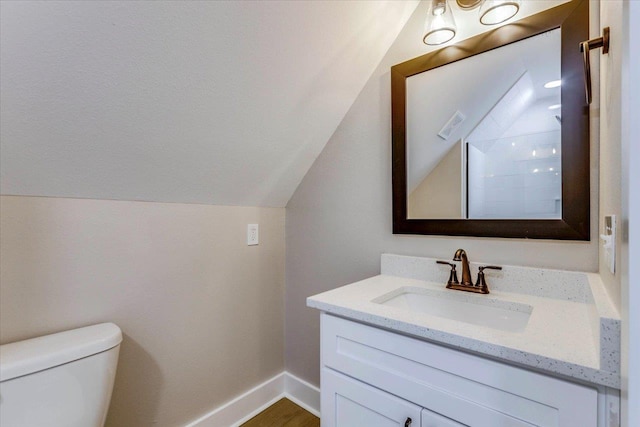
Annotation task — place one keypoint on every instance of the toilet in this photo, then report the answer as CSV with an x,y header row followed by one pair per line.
x,y
63,379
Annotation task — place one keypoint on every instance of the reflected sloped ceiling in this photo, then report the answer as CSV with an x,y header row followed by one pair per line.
x,y
225,103
494,74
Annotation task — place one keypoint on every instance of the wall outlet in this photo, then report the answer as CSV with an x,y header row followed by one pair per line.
x,y
252,234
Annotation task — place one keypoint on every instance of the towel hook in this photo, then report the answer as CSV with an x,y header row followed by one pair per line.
x,y
585,47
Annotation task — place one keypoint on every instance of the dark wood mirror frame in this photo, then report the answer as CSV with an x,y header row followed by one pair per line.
x,y
573,19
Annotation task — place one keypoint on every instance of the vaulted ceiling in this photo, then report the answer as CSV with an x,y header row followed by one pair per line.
x,y
224,103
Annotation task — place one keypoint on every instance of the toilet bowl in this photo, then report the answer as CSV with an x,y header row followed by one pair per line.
x,y
59,380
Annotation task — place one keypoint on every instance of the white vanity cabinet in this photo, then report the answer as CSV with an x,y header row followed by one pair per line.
x,y
372,377
354,403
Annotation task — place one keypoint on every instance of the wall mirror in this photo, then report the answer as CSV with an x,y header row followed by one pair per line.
x,y
491,135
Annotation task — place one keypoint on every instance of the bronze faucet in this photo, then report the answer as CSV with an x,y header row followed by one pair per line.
x,y
466,284
461,255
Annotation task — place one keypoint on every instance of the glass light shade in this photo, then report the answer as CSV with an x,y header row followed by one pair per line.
x,y
494,12
439,27
468,4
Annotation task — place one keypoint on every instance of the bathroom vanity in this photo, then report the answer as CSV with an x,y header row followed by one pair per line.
x,y
398,349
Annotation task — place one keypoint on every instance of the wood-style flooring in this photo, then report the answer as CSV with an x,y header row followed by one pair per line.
x,y
283,413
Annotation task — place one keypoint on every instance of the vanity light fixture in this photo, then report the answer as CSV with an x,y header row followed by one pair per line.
x,y
440,26
554,106
552,84
494,12
468,4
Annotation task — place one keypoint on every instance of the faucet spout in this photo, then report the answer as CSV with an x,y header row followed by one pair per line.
x,y
461,255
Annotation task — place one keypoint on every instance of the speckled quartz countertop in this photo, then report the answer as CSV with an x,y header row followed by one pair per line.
x,y
573,329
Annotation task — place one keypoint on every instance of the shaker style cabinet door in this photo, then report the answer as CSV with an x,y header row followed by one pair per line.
x,y
350,403
465,388
431,419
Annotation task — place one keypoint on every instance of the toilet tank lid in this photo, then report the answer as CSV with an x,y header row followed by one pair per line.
x,y
37,354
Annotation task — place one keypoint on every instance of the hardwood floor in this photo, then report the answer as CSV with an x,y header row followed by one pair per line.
x,y
283,413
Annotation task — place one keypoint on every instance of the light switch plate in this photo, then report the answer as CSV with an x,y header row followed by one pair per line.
x,y
252,234
609,242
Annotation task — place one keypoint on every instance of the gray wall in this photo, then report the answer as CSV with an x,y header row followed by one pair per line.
x,y
630,218
339,219
611,15
201,312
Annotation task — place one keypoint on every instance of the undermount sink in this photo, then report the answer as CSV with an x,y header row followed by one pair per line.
x,y
474,309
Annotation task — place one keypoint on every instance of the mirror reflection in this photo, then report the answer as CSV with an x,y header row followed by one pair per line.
x,y
484,135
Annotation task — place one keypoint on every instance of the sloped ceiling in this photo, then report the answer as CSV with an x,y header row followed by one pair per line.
x,y
224,103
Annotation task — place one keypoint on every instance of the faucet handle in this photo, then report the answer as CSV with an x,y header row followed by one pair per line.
x,y
492,267
453,276
481,283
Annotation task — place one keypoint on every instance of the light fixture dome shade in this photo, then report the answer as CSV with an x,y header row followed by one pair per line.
x,y
494,12
439,27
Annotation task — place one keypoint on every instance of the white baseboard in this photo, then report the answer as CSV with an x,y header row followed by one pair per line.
x,y
256,400
302,393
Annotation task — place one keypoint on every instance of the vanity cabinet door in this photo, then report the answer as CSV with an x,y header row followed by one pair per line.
x,y
350,403
471,390
431,419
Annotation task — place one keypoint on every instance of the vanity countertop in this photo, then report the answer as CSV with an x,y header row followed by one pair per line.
x,y
573,329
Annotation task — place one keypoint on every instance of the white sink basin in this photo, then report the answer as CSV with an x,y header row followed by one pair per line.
x,y
479,310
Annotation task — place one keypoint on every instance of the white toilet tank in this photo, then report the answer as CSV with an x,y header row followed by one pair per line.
x,y
59,380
